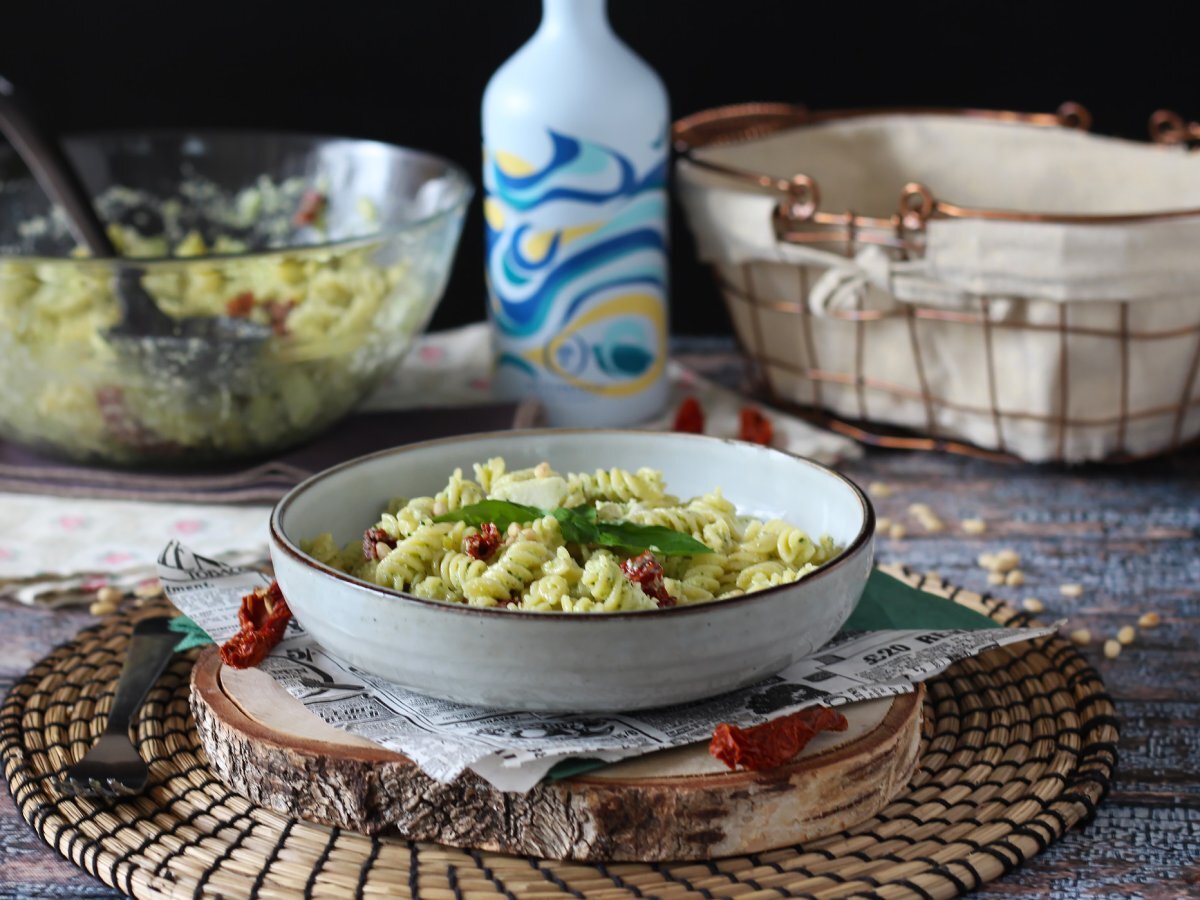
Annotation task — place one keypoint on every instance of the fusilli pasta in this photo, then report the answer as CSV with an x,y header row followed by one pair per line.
x,y
532,564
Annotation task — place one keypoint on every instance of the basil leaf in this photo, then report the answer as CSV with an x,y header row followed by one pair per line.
x,y
577,526
501,513
580,526
587,510
663,541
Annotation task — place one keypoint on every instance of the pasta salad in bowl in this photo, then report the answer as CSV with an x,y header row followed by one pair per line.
x,y
333,252
576,571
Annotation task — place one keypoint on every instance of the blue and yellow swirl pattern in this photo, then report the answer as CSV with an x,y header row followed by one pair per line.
x,y
582,302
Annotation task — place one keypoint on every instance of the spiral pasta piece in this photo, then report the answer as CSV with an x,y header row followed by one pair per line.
x,y
686,593
453,534
432,588
794,546
765,574
617,484
546,593
734,563
456,568
411,558
546,530
519,565
704,574
678,518
407,519
608,586
487,473
459,492
826,550
564,566
757,537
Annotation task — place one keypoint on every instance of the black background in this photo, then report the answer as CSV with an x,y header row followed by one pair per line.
x,y
414,72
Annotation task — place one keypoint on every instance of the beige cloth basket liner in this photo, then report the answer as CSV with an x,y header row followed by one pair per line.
x,y
1084,338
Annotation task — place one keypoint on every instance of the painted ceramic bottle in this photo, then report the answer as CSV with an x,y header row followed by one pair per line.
x,y
575,130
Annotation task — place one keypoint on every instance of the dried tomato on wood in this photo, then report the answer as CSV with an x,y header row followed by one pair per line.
x,y
240,305
372,538
754,427
647,572
773,743
263,617
689,417
483,544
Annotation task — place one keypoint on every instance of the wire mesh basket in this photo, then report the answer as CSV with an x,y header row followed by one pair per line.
x,y
1049,312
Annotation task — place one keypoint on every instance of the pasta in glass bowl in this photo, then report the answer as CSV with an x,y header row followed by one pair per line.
x,y
567,578
336,251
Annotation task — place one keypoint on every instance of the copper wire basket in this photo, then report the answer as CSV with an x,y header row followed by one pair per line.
x,y
1106,387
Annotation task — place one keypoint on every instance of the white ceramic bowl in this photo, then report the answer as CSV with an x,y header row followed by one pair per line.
x,y
572,662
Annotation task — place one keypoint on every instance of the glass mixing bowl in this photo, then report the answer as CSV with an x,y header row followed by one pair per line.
x,y
331,252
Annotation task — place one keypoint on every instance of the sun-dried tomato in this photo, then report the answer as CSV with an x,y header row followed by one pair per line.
x,y
245,650
372,537
483,544
689,417
773,743
240,305
647,572
311,209
753,426
263,618
279,310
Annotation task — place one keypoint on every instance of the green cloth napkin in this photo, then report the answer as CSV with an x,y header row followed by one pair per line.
x,y
888,603
192,634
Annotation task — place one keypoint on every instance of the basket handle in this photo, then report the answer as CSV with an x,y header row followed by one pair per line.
x,y
1168,128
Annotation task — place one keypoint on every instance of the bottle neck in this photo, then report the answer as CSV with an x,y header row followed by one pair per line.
x,y
575,18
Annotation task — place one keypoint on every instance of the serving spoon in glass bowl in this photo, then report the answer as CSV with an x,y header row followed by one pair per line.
x,y
197,347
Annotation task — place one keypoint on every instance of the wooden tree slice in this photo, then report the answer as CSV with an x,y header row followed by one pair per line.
x,y
673,805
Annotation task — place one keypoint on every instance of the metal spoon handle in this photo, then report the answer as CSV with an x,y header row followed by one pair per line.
x,y
150,649
53,172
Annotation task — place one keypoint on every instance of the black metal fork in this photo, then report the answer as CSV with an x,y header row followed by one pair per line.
x,y
113,767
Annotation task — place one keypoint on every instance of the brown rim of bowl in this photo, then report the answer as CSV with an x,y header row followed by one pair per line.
x,y
279,538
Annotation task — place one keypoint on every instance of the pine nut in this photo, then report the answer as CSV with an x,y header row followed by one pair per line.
x,y
109,596
1006,561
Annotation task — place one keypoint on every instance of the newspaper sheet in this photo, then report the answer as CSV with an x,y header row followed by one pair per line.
x,y
513,749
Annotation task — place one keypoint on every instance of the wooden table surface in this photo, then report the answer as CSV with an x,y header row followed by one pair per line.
x,y
1129,535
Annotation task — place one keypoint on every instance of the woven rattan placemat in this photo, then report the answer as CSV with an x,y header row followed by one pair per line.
x,y
1019,746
